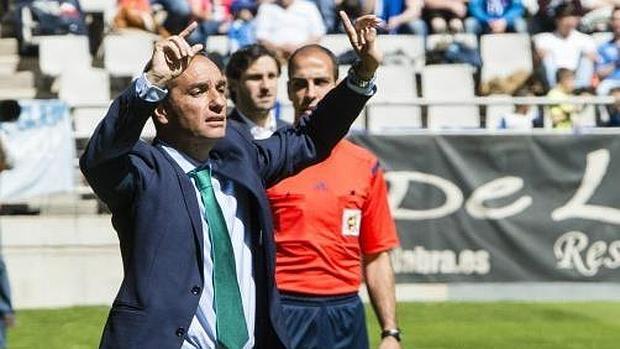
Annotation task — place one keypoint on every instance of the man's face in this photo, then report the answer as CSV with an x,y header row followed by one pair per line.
x,y
257,87
285,3
196,105
568,83
565,25
311,78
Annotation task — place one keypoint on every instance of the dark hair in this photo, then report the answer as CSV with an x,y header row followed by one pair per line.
x,y
614,9
243,58
563,73
566,9
320,48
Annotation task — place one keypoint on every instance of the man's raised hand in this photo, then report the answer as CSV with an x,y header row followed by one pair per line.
x,y
363,38
171,56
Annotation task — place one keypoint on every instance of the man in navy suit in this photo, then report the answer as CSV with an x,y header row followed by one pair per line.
x,y
200,177
252,74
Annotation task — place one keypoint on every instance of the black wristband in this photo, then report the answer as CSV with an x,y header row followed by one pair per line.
x,y
391,333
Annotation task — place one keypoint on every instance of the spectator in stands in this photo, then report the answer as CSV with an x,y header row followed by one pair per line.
x,y
523,116
495,17
285,25
562,114
400,16
612,111
608,67
48,17
544,11
597,15
242,30
567,48
252,74
137,14
328,11
178,14
445,15
213,17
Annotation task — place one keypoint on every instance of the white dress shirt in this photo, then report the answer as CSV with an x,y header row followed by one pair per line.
x,y
260,132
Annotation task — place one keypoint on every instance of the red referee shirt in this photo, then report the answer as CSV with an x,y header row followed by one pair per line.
x,y
326,218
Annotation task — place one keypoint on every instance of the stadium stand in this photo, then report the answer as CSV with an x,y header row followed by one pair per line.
x,y
86,86
87,91
219,44
337,43
125,55
58,53
410,46
13,84
434,40
456,81
390,110
504,55
495,112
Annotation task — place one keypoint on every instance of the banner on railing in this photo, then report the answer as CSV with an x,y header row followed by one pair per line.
x,y
503,207
43,150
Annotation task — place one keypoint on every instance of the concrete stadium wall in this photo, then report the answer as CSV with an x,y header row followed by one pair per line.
x,y
61,261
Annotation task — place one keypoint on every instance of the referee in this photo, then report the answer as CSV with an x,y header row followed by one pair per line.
x,y
332,227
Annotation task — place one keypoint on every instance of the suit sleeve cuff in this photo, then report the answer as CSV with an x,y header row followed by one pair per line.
x,y
149,92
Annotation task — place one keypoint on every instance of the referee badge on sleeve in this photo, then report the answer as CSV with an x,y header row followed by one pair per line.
x,y
351,222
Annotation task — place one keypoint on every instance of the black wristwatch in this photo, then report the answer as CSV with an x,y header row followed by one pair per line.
x,y
358,81
391,333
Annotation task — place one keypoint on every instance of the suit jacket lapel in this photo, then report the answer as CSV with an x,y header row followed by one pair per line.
x,y
191,206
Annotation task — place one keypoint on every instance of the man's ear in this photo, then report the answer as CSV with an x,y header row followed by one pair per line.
x,y
161,114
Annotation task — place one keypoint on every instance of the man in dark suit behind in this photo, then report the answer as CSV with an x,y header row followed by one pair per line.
x,y
203,177
252,74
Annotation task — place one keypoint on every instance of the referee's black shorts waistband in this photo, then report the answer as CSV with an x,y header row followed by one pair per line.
x,y
318,300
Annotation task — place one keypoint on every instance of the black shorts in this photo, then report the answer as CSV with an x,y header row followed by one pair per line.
x,y
325,322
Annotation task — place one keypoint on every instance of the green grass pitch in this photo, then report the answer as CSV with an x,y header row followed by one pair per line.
x,y
502,325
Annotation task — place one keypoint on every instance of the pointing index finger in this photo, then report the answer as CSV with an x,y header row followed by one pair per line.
x,y
348,26
188,30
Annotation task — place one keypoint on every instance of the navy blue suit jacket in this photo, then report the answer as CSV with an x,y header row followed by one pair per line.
x,y
234,115
155,214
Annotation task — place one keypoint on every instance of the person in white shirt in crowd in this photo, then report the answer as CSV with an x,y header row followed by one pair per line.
x,y
523,116
285,25
567,48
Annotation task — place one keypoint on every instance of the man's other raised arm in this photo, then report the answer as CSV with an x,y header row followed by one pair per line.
x,y
290,150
